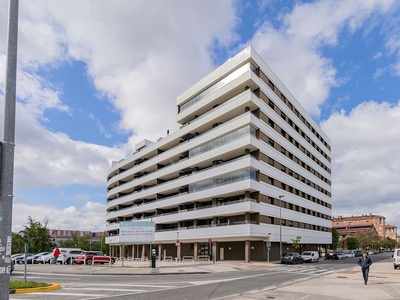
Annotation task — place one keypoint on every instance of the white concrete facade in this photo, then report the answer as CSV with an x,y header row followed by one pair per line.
x,y
244,141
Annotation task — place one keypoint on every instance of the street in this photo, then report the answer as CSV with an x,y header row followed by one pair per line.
x,y
180,286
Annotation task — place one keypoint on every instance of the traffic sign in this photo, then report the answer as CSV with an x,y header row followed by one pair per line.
x,y
177,243
268,244
209,241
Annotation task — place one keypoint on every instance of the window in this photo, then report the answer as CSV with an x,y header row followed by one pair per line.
x,y
283,186
271,104
271,142
271,200
270,180
283,168
283,133
270,161
271,123
283,116
283,150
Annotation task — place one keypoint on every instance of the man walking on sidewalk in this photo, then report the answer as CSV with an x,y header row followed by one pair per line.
x,y
364,262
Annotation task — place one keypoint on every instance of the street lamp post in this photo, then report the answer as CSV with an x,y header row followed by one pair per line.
x,y
269,243
280,225
178,247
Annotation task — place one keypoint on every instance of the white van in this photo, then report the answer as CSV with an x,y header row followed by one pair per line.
x,y
396,258
310,256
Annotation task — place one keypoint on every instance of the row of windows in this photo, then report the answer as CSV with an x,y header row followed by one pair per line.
x,y
294,207
272,181
292,108
288,154
288,137
292,124
288,171
295,224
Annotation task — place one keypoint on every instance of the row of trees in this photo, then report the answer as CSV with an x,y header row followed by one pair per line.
x,y
363,239
36,235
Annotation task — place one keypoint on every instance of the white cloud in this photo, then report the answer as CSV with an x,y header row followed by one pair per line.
x,y
366,164
293,51
89,217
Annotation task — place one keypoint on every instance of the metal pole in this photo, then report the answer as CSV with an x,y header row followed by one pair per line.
x,y
268,234
280,225
7,151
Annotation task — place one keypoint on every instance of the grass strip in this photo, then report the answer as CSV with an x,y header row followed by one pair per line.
x,y
19,284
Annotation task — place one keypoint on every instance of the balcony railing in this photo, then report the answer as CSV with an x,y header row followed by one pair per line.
x,y
195,120
195,208
172,180
210,225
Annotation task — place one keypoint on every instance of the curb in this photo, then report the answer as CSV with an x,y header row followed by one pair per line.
x,y
52,287
131,274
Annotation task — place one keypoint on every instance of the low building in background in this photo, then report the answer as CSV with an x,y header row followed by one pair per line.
x,y
64,235
350,225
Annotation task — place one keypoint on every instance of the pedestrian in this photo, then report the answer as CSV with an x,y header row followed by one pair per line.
x,y
56,254
364,262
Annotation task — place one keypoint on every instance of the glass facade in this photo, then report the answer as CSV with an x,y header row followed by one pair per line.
x,y
236,176
235,135
218,85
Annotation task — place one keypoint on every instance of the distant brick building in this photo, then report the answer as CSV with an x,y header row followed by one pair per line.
x,y
63,235
348,226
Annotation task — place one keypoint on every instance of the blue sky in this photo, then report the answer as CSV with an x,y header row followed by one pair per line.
x,y
96,77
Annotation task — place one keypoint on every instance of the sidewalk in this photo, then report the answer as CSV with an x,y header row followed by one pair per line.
x,y
383,284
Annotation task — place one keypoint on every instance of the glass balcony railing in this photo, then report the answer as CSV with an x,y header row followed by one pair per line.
x,y
210,225
228,138
218,85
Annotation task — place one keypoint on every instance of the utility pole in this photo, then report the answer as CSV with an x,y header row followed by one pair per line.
x,y
7,151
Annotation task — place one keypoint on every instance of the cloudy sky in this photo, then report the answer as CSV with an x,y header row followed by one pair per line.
x,y
95,77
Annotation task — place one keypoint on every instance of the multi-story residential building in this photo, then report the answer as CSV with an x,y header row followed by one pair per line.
x,y
247,164
349,225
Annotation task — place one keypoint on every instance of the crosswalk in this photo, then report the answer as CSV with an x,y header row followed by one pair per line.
x,y
85,291
306,269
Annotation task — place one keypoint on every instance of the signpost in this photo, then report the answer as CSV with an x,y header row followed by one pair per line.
x,y
137,232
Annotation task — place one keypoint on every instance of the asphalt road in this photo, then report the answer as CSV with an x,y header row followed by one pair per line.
x,y
181,286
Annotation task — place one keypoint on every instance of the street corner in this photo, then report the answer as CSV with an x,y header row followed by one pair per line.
x,y
52,287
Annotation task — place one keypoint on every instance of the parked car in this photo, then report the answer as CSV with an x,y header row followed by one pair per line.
x,y
67,255
396,258
310,256
45,259
291,258
331,256
21,258
340,255
349,254
100,257
32,259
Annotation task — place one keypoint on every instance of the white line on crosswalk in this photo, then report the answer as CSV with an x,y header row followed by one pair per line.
x,y
102,289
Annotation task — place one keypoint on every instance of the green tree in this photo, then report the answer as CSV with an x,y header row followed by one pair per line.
x,y
82,242
296,242
352,243
36,236
366,238
18,244
335,238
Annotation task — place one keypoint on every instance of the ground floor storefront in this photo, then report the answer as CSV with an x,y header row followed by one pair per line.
x,y
215,251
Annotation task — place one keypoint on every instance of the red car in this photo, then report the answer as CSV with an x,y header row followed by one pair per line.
x,y
94,256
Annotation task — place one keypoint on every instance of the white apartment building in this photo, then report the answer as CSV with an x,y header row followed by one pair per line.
x,y
216,185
